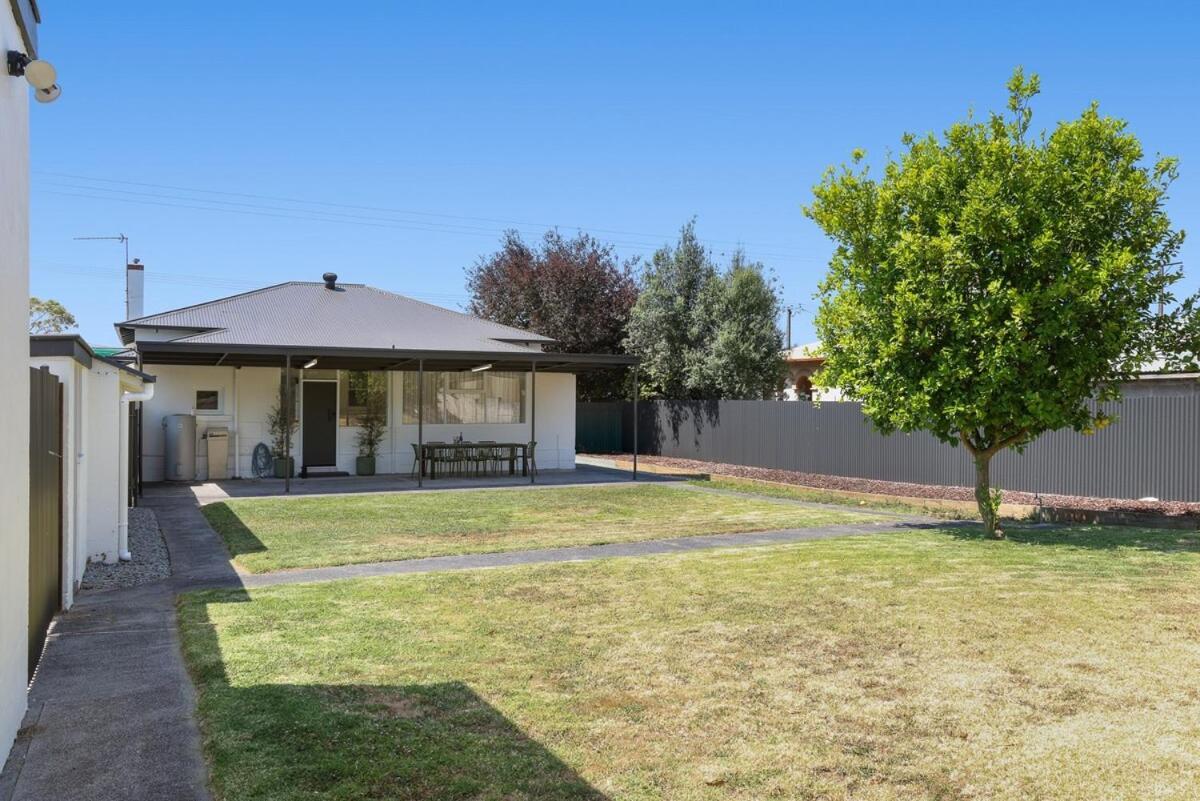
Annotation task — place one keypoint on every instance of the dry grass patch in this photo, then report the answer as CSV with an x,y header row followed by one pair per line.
x,y
922,665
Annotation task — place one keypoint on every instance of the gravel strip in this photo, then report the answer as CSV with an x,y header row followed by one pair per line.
x,y
150,562
848,484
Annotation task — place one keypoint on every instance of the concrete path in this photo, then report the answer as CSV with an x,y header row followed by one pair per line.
x,y
583,553
111,710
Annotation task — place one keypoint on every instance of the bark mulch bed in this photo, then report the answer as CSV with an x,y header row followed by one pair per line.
x,y
907,490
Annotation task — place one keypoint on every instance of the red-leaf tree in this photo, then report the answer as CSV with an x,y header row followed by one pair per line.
x,y
574,290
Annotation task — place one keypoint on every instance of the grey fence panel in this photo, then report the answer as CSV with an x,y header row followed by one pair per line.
x,y
1152,450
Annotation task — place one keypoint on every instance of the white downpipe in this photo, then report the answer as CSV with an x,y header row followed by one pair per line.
x,y
123,469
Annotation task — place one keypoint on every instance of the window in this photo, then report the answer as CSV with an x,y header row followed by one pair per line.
x,y
357,391
208,400
467,398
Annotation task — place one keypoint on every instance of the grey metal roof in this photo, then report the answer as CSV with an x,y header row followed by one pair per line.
x,y
77,348
308,314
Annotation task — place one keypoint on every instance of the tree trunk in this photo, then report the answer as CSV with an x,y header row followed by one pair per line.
x,y
983,496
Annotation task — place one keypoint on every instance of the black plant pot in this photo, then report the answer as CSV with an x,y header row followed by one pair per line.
x,y
365,465
284,467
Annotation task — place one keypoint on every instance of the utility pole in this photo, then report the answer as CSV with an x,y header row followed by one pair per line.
x,y
1162,298
797,308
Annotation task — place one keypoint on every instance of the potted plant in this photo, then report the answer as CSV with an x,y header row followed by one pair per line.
x,y
372,425
282,427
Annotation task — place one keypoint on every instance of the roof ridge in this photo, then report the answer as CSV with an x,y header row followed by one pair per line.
x,y
460,313
248,292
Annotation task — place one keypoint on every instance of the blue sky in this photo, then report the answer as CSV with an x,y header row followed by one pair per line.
x,y
426,129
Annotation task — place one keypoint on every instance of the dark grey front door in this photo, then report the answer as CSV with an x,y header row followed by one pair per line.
x,y
319,423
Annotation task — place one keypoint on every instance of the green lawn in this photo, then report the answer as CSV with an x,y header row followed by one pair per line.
x,y
281,533
915,665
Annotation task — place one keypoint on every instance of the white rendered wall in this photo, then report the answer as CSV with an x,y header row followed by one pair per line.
x,y
14,378
257,388
175,393
91,463
102,456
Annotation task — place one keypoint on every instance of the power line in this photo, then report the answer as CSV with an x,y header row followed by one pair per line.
x,y
428,225
207,281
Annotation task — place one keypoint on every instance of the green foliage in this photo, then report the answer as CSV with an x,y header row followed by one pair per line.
x,y
280,426
991,283
49,317
742,360
1179,337
574,290
704,333
372,423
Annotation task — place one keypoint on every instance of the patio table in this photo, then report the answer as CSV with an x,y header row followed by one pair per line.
x,y
508,453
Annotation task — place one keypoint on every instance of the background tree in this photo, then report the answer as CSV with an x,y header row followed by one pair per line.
x,y
573,290
742,359
674,319
703,333
49,317
1179,337
990,284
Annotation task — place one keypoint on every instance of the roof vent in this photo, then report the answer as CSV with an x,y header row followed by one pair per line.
x,y
330,280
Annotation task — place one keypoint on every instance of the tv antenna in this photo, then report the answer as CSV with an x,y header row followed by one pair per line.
x,y
118,238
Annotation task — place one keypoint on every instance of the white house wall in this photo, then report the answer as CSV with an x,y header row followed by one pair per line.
x,y
175,393
92,466
102,455
14,377
257,388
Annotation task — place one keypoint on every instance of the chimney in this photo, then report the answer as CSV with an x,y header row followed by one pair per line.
x,y
330,280
135,284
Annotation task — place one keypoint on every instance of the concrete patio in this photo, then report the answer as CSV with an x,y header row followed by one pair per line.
x,y
214,491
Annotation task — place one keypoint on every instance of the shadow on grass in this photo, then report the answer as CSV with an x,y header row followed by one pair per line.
x,y
1094,537
238,537
413,742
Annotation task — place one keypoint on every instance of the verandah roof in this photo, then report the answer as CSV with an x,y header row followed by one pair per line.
x,y
334,358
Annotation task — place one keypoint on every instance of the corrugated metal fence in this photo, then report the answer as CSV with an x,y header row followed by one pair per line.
x,y
1152,450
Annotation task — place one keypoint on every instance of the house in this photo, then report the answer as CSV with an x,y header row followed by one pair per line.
x,y
223,362
96,396
1153,380
802,363
18,33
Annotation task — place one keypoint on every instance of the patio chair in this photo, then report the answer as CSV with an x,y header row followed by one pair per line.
x,y
488,456
439,460
416,461
530,451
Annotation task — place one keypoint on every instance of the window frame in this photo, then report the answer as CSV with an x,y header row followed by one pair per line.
x,y
346,412
440,391
218,391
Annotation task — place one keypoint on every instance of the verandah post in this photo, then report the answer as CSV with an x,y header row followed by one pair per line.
x,y
287,423
532,448
420,422
635,420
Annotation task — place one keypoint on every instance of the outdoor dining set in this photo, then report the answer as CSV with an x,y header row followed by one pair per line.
x,y
481,458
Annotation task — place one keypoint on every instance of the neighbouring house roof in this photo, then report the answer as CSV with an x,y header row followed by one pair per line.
x,y
111,352
359,326
43,346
